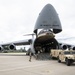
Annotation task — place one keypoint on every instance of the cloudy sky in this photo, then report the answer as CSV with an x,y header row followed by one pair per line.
x,y
18,17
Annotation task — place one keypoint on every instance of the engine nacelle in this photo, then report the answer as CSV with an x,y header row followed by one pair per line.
x,y
73,48
64,47
12,47
1,48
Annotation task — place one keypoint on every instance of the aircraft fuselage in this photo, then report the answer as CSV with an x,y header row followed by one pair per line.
x,y
45,40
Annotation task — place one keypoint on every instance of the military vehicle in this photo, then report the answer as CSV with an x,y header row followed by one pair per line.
x,y
67,56
55,53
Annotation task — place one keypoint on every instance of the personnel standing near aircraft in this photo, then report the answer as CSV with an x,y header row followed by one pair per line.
x,y
30,54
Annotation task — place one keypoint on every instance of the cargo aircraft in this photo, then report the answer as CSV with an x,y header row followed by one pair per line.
x,y
47,26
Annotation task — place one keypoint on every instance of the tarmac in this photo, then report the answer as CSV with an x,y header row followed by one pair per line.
x,y
18,64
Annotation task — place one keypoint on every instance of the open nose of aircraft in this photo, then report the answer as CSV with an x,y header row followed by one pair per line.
x,y
48,19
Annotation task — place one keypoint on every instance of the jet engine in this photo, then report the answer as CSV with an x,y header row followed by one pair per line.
x,y
1,48
64,47
12,47
73,48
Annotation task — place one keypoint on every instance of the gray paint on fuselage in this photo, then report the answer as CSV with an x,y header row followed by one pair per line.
x,y
48,19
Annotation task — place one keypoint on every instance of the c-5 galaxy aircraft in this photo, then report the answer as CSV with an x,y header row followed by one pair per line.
x,y
47,25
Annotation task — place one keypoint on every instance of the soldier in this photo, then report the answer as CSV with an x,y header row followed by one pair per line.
x,y
30,54
37,54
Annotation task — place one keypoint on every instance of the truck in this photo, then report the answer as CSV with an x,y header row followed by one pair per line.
x,y
67,56
55,53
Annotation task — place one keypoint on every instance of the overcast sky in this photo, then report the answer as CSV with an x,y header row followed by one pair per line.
x,y
18,17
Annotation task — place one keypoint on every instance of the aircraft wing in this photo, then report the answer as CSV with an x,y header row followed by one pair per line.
x,y
64,45
12,45
21,42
